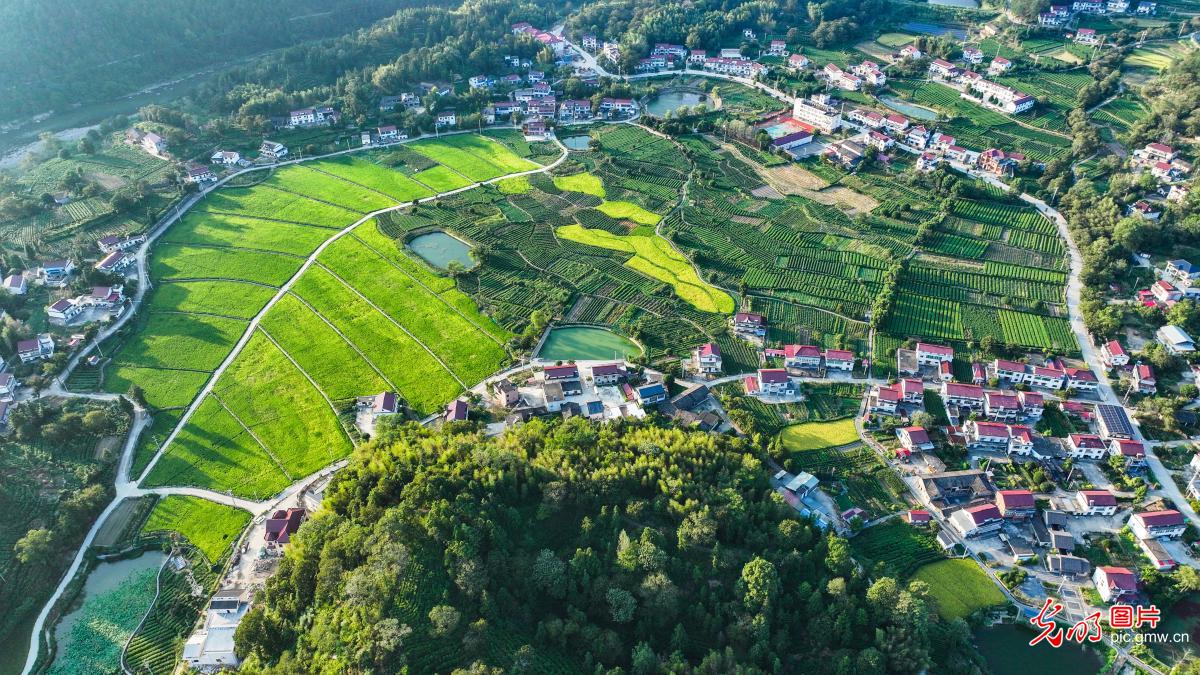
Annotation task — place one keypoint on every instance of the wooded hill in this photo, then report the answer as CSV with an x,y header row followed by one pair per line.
x,y
572,547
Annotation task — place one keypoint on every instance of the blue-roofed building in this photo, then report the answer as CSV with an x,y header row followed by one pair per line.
x,y
649,394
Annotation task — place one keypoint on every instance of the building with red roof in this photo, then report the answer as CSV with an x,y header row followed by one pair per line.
x,y
918,517
914,439
707,359
1114,583
282,525
1113,354
1086,446
805,357
1016,504
930,354
839,359
963,395
977,521
1168,524
564,372
1095,503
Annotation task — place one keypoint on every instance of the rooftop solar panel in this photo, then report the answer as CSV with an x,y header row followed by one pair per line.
x,y
1115,420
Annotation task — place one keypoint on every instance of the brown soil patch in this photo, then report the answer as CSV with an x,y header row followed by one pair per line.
x,y
106,180
792,176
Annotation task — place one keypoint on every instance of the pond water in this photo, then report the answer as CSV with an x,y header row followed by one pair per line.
x,y
914,111
576,142
1006,649
674,99
970,4
586,343
103,579
934,29
440,249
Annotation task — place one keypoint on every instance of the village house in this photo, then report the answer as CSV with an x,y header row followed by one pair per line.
x,y
446,118
978,373
697,57
456,411
896,123
505,394
575,109
972,55
226,157
1114,583
928,162
963,395
115,262
1086,446
1175,339
840,79
777,48
40,347
1145,8
63,311
606,374
1113,354
999,66
1000,407
560,373
798,62
952,489
1144,380
1159,557
1082,380
879,141
1016,504
910,52
933,355
272,150
803,357
943,69
818,115
8,387
1133,452
1086,36
914,439
986,436
650,394
839,359
866,117
15,284
589,42
1032,404
1051,20
918,517
792,140
770,382
1020,440
197,173
481,82
1046,377
1095,503
977,521
707,359
282,525
1169,524
154,144
535,131
54,273
918,137
1000,163
883,399
749,323
618,106
1145,210
871,73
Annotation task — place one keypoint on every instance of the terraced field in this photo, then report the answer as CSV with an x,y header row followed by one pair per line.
x,y
363,318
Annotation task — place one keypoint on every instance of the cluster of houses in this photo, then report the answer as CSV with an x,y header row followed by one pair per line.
x,y
1164,163
975,87
64,311
148,141
1058,16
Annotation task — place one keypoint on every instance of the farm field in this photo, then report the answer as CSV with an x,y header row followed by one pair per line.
x,y
222,298
209,526
219,229
477,158
656,259
441,179
584,182
104,623
959,587
628,211
818,435
263,201
901,549
375,176
163,388
172,261
181,341
327,189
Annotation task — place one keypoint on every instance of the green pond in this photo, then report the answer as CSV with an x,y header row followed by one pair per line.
x,y
577,142
1006,649
583,343
674,99
440,249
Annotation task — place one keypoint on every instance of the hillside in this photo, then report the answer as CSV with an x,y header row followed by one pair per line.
x,y
118,47
567,548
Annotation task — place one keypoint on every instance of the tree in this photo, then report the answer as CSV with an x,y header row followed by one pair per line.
x,y
549,573
621,604
643,660
36,547
444,620
759,584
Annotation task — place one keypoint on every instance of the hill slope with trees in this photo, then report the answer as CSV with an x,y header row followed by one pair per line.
x,y
573,547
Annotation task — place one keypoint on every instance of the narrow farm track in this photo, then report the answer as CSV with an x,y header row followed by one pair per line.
x,y
428,289
347,340
245,427
395,323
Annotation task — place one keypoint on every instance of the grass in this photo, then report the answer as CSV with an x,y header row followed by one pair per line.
x,y
517,185
213,451
375,176
219,229
899,547
895,40
654,257
325,188
163,388
629,211
817,435
183,341
209,526
172,261
476,157
584,182
959,588
225,298
288,415
441,179
263,201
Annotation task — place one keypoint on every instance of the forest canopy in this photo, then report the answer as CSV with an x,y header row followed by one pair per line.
x,y
574,547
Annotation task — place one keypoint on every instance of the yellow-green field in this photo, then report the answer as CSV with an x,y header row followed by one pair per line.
x,y
654,257
1158,56
959,587
581,182
629,211
817,435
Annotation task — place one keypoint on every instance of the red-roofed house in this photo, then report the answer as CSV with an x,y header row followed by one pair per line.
x,y
986,435
1013,371
456,411
774,382
884,399
1032,404
1114,583
1095,503
1000,407
805,357
931,354
977,521
282,525
1168,524
912,390
749,323
945,372
1046,378
1082,379
607,374
1144,379
914,439
963,395
63,310
707,359
557,373
978,373
1086,446
1020,440
918,517
1016,504
1165,291
839,359
1113,354
1133,452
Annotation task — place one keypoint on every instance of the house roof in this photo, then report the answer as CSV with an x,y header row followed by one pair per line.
x,y
1098,497
1119,577
1144,372
801,351
772,375
751,384
917,435
838,355
1175,334
1081,374
62,305
1022,432
1168,518
1067,564
888,393
992,429
1090,441
1114,348
282,524
1030,399
605,369
654,389
939,350
562,372
982,513
385,402
749,317
1129,448
998,400
963,390
456,411
1160,147
918,516
710,349
1015,499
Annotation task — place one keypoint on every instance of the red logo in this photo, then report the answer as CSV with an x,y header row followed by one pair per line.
x,y
1089,629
